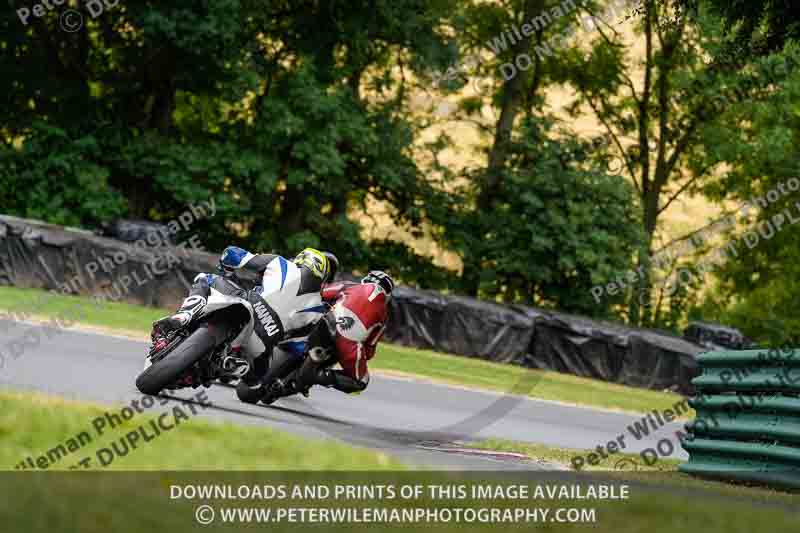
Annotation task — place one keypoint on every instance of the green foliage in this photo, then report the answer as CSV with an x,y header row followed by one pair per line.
x,y
414,269
54,177
294,115
763,25
559,226
767,314
328,152
757,291
152,106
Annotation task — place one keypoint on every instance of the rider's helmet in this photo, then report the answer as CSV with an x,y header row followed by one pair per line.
x,y
315,261
333,266
381,279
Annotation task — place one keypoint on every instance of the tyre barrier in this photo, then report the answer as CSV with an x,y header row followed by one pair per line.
x,y
747,427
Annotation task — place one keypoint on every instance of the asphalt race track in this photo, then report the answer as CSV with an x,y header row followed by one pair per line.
x,y
419,423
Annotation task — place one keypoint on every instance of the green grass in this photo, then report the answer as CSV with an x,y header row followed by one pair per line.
x,y
132,502
540,384
564,456
32,424
444,368
631,467
106,314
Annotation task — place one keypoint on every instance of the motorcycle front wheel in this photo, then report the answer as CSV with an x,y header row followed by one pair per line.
x,y
168,370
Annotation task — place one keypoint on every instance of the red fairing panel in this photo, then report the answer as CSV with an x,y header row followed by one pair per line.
x,y
361,315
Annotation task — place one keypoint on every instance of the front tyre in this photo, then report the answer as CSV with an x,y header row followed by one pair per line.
x,y
168,370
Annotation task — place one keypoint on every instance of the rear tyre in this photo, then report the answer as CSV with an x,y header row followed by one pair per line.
x,y
165,372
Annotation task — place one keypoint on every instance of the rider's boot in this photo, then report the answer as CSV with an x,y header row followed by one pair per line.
x,y
249,388
267,384
286,387
189,308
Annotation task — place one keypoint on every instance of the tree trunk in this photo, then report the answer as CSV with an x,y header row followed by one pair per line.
x,y
513,97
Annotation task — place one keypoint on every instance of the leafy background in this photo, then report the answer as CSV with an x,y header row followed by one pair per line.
x,y
327,123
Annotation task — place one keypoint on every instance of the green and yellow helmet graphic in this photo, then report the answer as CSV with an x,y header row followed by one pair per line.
x,y
315,261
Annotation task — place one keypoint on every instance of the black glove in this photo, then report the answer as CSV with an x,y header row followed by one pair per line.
x,y
224,271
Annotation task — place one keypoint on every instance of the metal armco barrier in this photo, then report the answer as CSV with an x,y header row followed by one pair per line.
x,y
747,427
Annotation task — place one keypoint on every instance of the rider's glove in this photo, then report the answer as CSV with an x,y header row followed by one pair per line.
x,y
224,271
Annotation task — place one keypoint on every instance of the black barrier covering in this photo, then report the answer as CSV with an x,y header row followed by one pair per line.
x,y
542,339
613,352
45,256
134,230
459,325
716,336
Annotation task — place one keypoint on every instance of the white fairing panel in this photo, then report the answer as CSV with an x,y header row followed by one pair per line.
x,y
217,300
348,325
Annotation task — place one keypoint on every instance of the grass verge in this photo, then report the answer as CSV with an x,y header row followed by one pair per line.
x,y
541,384
663,472
131,502
612,462
35,425
134,320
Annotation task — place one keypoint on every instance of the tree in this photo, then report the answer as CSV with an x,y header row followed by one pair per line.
x,y
760,26
757,290
517,92
51,177
557,227
671,118
522,222
260,104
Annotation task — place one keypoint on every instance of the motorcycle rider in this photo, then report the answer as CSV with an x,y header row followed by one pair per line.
x,y
348,334
286,300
